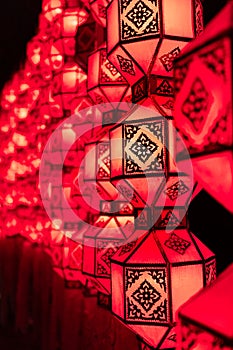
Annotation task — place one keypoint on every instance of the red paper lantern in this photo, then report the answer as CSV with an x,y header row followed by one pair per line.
x,y
203,108
152,277
143,39
105,84
103,239
205,321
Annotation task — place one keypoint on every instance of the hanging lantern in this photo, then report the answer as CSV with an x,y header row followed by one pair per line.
x,y
205,321
144,38
152,277
105,84
203,108
98,9
113,226
141,155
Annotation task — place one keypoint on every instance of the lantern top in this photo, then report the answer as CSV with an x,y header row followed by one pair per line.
x,y
212,307
222,24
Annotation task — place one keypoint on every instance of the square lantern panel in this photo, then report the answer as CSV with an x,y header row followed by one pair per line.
x,y
152,276
205,321
163,26
203,106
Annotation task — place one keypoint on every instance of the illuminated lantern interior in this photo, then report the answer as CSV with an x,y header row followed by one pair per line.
x,y
203,108
212,327
147,274
144,38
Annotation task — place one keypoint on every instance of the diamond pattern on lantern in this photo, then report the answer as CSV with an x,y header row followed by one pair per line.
x,y
139,14
176,190
126,65
108,73
126,248
146,295
139,19
169,220
168,58
196,105
177,244
144,150
143,147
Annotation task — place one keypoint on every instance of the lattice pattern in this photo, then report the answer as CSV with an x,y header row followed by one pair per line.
x,y
140,19
146,295
126,65
144,150
105,250
176,190
109,73
177,244
168,58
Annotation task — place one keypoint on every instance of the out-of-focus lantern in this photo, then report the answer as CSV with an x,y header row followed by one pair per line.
x,y
98,9
144,37
103,239
105,84
68,84
205,321
203,107
152,277
85,41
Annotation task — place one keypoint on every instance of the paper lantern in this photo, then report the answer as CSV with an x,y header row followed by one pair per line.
x,y
152,277
203,108
141,155
144,37
105,84
103,239
205,321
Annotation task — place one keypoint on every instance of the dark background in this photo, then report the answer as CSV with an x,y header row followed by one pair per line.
x,y
18,23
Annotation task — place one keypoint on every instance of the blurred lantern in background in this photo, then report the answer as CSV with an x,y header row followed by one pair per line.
x,y
147,276
101,241
105,84
98,9
144,38
205,321
203,108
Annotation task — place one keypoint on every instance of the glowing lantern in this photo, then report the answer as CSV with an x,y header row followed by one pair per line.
x,y
98,9
144,38
103,239
203,108
69,83
105,84
205,321
152,277
141,156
